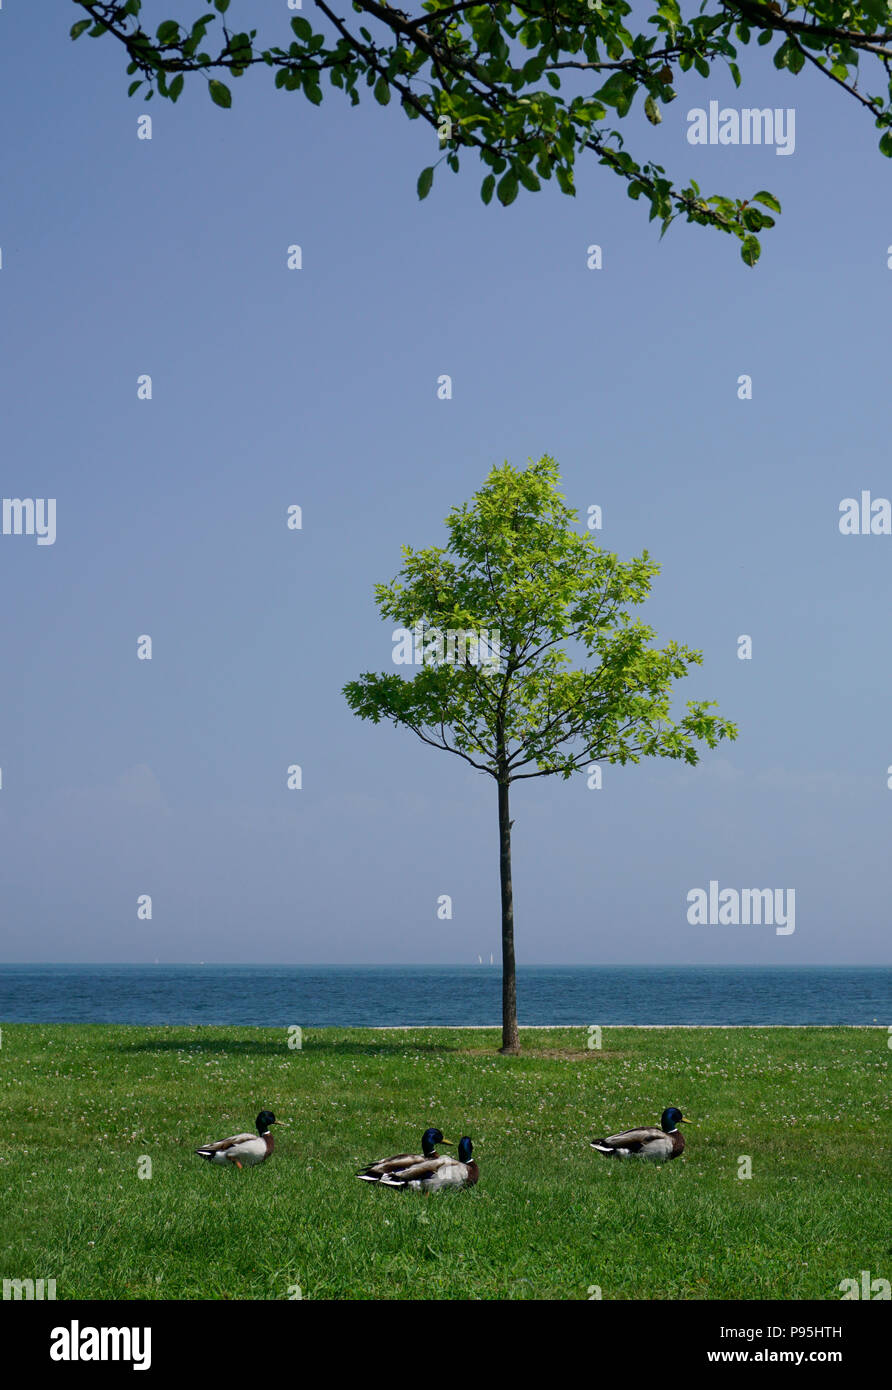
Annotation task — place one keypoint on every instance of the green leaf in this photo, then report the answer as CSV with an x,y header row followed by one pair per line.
x,y
133,86
618,91
671,12
221,6
79,27
750,250
487,188
302,28
886,144
176,86
652,111
506,191
168,31
382,91
425,180
768,200
795,59
220,93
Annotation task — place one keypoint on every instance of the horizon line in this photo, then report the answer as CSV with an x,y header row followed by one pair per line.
x,y
452,965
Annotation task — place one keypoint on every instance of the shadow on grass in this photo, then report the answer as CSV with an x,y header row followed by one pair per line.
x,y
394,1047
261,1047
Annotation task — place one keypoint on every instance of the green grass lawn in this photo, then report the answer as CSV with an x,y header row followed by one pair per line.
x,y
549,1218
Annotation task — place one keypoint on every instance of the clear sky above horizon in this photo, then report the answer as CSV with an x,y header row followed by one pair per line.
x,y
318,387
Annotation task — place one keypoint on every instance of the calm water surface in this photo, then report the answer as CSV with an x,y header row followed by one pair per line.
x,y
367,996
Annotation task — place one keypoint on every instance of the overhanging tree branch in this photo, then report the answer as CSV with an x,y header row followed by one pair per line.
x,y
474,74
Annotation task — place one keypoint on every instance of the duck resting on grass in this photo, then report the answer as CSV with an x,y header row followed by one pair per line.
x,y
244,1150
656,1144
377,1172
433,1174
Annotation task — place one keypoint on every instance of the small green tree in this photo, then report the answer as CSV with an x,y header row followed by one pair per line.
x,y
512,705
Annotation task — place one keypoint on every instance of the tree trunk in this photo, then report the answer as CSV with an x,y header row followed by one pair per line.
x,y
510,1034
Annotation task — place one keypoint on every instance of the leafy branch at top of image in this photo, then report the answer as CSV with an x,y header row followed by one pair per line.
x,y
532,87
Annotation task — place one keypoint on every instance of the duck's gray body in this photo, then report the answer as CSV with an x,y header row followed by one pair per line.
x,y
432,1174
390,1167
658,1143
435,1172
650,1143
244,1150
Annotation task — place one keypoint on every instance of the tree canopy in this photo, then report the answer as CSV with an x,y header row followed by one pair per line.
x,y
516,565
529,87
514,707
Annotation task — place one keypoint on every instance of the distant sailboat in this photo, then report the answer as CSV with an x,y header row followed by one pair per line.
x,y
491,961
479,960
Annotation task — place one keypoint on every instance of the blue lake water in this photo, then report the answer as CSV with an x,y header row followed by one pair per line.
x,y
368,996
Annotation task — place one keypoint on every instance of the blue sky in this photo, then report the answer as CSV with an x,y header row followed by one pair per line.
x,y
318,387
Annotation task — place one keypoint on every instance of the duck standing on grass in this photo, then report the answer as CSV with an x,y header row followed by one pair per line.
x,y
244,1150
658,1145
377,1172
433,1174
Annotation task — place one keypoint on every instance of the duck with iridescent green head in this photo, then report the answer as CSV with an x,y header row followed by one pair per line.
x,y
377,1172
657,1144
434,1174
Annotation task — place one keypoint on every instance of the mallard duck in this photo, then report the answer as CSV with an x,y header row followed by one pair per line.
x,y
656,1144
243,1149
376,1172
432,1174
